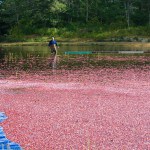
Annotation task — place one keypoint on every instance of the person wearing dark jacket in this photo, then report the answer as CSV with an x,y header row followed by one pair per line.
x,y
53,46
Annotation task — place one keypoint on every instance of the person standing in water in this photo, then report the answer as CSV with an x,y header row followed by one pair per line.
x,y
53,46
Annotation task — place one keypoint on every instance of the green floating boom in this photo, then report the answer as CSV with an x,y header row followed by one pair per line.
x,y
97,52
78,52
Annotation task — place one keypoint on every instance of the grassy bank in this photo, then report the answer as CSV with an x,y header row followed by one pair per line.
x,y
76,33
83,43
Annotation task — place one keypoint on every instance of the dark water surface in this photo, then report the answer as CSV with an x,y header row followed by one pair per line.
x,y
34,58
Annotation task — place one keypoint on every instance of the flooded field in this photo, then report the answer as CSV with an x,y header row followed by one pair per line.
x,y
38,58
79,102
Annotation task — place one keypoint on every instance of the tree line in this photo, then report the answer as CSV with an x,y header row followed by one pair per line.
x,y
29,15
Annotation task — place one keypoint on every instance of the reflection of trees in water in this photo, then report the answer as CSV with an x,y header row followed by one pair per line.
x,y
31,62
2,56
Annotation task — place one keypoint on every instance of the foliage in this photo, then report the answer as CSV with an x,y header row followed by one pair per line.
x,y
75,18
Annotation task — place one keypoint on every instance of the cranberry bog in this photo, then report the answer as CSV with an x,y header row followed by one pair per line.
x,y
76,102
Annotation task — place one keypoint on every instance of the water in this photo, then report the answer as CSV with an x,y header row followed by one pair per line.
x,y
75,99
35,58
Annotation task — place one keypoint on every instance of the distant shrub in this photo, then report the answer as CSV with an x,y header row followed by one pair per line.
x,y
91,30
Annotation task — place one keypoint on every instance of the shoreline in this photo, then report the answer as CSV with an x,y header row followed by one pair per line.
x,y
135,44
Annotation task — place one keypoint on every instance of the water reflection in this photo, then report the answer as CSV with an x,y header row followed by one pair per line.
x,y
53,61
2,55
39,58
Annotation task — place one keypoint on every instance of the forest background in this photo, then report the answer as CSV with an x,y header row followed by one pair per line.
x,y
98,20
